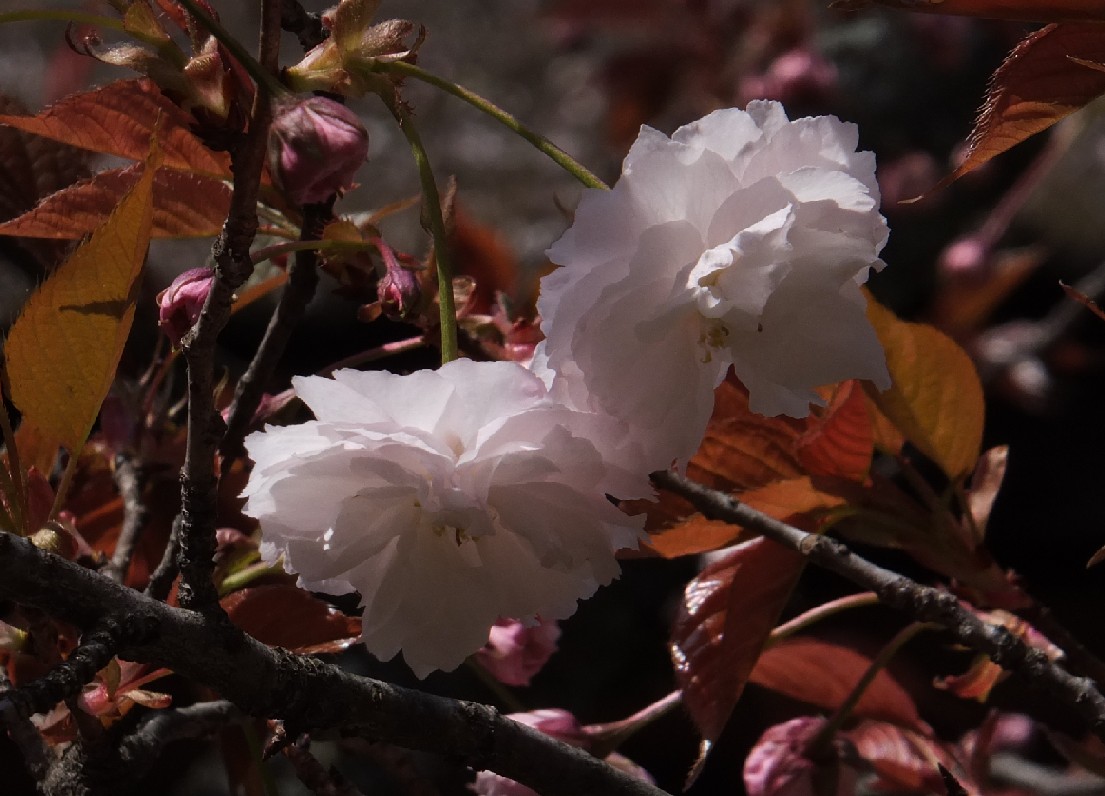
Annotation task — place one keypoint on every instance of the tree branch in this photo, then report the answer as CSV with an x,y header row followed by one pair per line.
x,y
922,603
140,750
233,265
305,692
24,734
129,480
314,776
297,294
305,26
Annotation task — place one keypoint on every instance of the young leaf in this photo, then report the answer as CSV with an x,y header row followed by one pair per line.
x,y
184,206
119,119
1039,83
936,398
692,536
282,615
63,349
824,674
904,761
841,441
727,614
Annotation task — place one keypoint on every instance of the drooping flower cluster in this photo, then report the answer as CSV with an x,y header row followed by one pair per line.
x,y
740,241
446,498
452,498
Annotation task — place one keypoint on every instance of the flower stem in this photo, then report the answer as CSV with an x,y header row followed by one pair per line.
x,y
558,155
824,611
844,712
431,208
76,17
265,80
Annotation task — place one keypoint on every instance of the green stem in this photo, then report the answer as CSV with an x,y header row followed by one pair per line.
x,y
814,615
431,204
825,735
61,16
265,81
558,155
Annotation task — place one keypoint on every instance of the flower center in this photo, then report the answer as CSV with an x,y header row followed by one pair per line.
x,y
714,335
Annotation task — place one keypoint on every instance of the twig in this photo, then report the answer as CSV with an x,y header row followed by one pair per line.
x,y
129,479
306,26
140,750
98,645
297,294
922,603
161,581
306,692
24,734
1079,658
318,779
198,480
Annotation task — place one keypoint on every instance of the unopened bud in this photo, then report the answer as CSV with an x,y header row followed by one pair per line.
x,y
778,764
515,651
315,147
397,290
182,301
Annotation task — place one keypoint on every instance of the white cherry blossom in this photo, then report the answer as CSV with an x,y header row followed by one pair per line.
x,y
740,241
446,498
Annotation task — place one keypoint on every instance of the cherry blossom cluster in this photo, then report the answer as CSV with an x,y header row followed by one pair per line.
x,y
450,499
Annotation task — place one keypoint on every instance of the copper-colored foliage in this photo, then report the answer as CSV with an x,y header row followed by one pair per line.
x,y
725,618
282,615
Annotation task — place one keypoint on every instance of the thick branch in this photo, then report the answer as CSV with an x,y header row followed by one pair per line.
x,y
305,692
922,603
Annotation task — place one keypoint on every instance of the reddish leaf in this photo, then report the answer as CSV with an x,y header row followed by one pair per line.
x,y
793,500
824,674
904,761
727,614
185,206
841,440
119,119
1024,10
742,449
32,167
1036,86
692,536
282,615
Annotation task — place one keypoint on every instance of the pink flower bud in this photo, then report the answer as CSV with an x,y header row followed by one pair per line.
x,y
181,302
778,765
514,653
315,147
398,290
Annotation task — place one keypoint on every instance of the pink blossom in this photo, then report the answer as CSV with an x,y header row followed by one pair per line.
x,y
515,652
182,301
315,148
778,765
